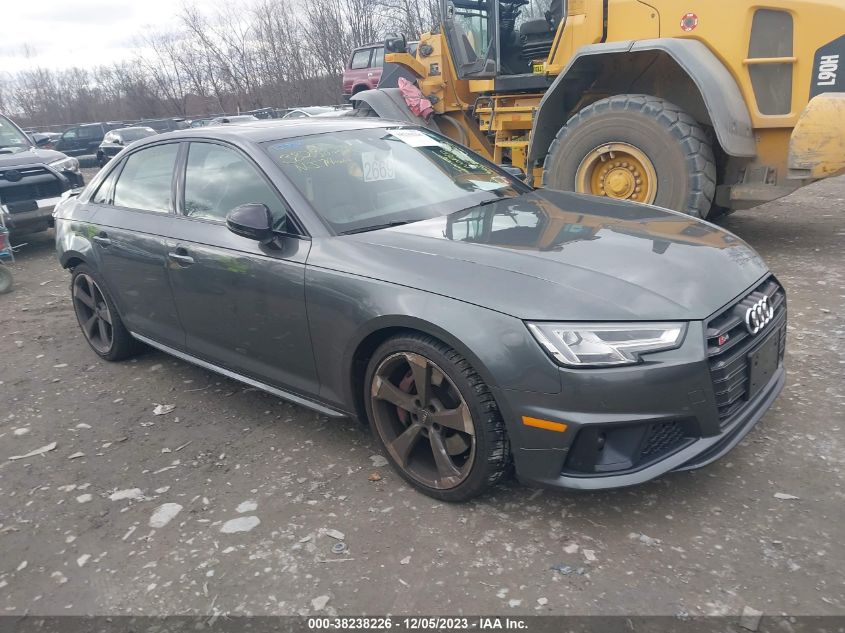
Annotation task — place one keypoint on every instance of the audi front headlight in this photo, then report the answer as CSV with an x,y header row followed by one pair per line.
x,y
68,163
605,344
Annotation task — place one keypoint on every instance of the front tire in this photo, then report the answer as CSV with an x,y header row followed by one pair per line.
x,y
638,148
435,418
98,318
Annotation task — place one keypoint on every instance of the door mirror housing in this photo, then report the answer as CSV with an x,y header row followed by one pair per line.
x,y
395,43
253,221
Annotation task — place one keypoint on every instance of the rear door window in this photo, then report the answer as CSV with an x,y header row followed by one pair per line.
x,y
146,180
378,57
360,59
90,131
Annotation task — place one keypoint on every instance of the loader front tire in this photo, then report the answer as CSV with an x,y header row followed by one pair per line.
x,y
638,148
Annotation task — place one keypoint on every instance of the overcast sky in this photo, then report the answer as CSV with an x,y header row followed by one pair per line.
x,y
85,33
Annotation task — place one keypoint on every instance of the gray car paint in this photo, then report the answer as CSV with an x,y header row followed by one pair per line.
x,y
338,296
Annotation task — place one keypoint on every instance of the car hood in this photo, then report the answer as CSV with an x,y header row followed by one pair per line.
x,y
30,156
550,255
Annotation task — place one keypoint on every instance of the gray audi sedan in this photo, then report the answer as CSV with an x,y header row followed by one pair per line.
x,y
377,270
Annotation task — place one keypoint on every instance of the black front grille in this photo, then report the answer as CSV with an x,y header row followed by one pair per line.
x,y
662,438
729,343
23,172
22,192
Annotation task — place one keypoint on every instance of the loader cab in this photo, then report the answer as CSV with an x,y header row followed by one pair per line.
x,y
502,39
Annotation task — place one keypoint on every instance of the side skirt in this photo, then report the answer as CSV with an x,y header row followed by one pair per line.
x,y
310,404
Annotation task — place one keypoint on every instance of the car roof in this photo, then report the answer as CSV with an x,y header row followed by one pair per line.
x,y
277,129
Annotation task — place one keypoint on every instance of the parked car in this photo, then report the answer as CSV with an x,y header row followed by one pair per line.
x,y
116,140
365,268
32,179
312,111
165,125
83,140
364,68
45,140
233,119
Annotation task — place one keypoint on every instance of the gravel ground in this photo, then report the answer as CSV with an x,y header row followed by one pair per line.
x,y
227,503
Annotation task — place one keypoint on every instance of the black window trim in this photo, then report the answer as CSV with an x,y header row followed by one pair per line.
x,y
179,187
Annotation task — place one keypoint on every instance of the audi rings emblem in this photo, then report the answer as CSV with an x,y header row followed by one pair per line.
x,y
758,315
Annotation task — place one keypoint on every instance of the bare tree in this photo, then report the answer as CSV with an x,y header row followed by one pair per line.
x,y
278,53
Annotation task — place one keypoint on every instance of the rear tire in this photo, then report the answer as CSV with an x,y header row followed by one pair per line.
x,y
674,147
98,318
448,439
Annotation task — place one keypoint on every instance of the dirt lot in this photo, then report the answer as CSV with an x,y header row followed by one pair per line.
x,y
259,481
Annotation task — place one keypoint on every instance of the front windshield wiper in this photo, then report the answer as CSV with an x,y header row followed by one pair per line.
x,y
375,227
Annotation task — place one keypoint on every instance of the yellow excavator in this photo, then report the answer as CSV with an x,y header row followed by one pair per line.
x,y
697,106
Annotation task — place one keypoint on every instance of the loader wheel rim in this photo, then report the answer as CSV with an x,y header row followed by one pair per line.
x,y
619,171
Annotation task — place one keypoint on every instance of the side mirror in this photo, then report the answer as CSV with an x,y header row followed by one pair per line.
x,y
395,44
42,141
516,172
253,221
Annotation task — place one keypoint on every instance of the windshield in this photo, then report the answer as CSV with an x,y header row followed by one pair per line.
x,y
370,178
11,136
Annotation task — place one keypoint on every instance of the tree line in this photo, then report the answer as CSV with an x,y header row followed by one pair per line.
x,y
240,57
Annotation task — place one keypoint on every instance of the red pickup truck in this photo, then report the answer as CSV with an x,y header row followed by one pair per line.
x,y
363,70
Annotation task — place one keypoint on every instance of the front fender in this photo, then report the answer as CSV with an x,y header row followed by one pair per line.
x,y
717,87
73,241
388,103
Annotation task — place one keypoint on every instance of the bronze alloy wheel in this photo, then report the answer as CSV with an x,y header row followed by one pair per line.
x,y
423,420
92,311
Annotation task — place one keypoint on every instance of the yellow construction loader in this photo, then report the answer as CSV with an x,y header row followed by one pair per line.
x,y
699,106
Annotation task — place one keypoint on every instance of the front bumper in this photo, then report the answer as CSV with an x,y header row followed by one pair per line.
x,y
625,426
38,214
817,143
27,204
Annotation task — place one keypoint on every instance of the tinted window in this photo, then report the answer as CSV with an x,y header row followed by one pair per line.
x,y
378,57
145,181
93,131
70,134
360,59
218,179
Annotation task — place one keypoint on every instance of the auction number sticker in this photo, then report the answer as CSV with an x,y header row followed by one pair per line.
x,y
378,166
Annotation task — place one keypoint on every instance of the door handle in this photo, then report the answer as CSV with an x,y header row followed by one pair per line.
x,y
181,257
101,239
